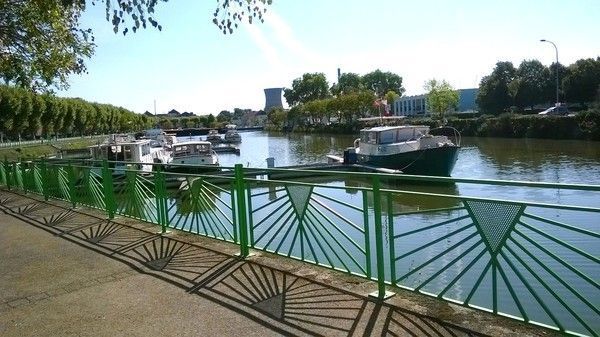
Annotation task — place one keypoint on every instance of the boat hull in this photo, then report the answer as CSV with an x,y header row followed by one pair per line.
x,y
437,161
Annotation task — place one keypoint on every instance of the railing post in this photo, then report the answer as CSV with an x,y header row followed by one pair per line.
x,y
109,195
24,180
6,174
381,294
241,210
44,180
14,174
161,198
71,183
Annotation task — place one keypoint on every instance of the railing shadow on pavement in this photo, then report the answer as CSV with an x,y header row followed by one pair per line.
x,y
280,300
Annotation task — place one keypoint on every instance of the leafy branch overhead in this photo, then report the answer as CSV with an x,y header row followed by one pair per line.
x,y
136,14
42,42
229,13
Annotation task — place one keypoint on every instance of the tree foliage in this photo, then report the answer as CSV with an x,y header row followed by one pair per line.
x,y
381,82
229,13
348,83
530,85
24,113
533,83
309,87
494,94
42,41
441,97
582,81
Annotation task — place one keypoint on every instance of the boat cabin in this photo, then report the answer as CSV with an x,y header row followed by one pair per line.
x,y
129,152
189,149
393,134
194,153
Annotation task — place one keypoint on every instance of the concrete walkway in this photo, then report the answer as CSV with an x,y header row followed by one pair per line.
x,y
73,273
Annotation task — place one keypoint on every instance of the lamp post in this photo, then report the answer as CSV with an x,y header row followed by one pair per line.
x,y
556,49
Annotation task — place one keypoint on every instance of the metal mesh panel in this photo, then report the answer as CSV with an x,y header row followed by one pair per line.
x,y
299,196
494,221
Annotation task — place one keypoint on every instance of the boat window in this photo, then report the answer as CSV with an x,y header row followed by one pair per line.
x,y
405,134
115,153
181,151
145,149
127,152
387,137
202,148
368,137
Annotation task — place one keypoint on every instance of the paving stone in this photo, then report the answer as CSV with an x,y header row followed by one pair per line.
x,y
56,292
106,279
37,297
18,303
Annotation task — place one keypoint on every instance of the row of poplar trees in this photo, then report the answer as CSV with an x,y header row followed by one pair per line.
x,y
27,115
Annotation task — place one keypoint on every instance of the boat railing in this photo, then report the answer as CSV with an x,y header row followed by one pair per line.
x,y
456,136
529,251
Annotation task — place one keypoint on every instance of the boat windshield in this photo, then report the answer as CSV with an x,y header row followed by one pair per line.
x,y
191,149
394,135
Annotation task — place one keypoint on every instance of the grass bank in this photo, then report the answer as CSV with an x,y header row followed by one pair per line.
x,y
44,150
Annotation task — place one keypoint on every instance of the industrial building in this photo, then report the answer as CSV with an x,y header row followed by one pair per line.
x,y
273,98
417,105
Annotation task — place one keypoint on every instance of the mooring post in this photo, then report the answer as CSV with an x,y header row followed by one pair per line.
x,y
241,210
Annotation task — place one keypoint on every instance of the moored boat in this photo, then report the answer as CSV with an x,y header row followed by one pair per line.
x,y
122,152
214,137
193,153
411,149
232,136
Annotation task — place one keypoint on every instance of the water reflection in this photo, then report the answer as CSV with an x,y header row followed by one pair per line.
x,y
565,161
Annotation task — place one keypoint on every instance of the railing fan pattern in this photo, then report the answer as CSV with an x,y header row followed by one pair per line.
x,y
537,262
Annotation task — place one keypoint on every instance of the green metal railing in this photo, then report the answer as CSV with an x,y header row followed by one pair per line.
x,y
534,260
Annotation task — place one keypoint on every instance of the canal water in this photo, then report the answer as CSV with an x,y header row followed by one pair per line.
x,y
455,241
564,161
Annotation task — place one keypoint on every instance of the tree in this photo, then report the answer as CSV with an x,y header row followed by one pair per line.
x,y
494,95
307,88
390,97
381,82
529,87
211,121
441,97
277,117
224,116
34,121
347,83
42,42
582,80
563,72
165,123
317,110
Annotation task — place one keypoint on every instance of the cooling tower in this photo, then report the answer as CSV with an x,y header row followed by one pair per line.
x,y
273,98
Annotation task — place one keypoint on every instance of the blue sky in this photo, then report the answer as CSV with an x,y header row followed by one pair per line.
x,y
191,66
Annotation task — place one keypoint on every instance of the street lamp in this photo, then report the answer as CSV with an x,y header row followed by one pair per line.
x,y
556,49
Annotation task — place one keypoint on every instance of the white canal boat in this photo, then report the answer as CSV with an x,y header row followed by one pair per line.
x,y
123,153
